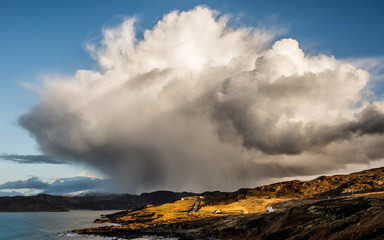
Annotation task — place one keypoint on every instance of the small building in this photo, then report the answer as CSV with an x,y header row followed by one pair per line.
x,y
269,210
216,211
243,212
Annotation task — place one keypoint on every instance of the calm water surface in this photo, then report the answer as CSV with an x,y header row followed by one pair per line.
x,y
48,225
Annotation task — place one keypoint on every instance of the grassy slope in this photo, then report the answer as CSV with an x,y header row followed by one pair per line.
x,y
245,205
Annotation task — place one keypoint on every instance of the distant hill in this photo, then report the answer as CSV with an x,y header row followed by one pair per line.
x,y
367,181
325,186
45,202
338,185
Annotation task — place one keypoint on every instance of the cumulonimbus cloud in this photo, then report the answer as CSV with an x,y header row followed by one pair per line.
x,y
197,105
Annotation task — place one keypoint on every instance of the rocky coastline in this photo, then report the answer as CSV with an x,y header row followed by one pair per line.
x,y
335,207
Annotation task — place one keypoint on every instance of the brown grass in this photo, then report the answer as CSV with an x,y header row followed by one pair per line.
x,y
180,211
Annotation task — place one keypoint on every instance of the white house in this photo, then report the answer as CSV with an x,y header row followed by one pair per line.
x,y
269,210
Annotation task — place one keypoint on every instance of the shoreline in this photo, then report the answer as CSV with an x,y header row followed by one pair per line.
x,y
349,217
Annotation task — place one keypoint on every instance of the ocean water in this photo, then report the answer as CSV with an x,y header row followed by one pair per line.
x,y
49,225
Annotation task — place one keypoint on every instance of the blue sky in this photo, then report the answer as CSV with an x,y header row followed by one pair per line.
x,y
42,38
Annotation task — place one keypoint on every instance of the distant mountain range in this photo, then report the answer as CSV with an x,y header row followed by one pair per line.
x,y
45,202
367,181
325,186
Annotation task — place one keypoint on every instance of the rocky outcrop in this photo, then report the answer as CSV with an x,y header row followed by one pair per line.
x,y
338,185
328,207
348,217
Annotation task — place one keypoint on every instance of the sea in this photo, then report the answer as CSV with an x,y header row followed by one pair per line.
x,y
51,225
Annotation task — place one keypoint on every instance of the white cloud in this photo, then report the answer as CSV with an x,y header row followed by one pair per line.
x,y
198,105
374,65
58,186
89,173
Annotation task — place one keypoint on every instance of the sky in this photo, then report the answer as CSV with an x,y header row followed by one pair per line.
x,y
129,96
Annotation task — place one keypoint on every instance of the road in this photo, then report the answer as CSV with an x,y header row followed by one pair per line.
x,y
195,208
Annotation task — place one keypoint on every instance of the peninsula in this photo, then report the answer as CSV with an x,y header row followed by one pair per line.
x,y
328,207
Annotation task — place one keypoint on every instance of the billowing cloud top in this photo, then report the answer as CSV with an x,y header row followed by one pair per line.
x,y
197,105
